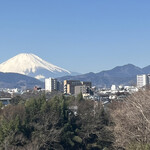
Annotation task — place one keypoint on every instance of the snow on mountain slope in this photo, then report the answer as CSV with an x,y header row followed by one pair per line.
x,y
32,65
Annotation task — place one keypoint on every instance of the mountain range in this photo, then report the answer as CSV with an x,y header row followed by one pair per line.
x,y
24,69
120,75
15,80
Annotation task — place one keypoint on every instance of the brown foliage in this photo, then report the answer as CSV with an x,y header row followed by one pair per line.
x,y
10,112
132,120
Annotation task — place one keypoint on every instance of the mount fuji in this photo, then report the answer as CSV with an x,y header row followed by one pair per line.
x,y
32,65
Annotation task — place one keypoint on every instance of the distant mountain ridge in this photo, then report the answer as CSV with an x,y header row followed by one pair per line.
x,y
32,65
15,80
120,75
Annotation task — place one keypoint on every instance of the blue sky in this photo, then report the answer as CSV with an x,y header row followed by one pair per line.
x,y
78,35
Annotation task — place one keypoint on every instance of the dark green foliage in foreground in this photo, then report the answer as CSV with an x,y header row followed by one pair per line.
x,y
62,123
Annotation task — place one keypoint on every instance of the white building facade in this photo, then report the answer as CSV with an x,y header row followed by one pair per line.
x,y
51,84
142,80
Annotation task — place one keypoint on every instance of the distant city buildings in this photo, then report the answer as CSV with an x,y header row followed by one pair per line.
x,y
52,84
36,88
143,80
113,87
75,87
84,89
71,87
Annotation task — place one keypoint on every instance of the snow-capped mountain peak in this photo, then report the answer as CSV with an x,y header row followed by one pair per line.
x,y
32,65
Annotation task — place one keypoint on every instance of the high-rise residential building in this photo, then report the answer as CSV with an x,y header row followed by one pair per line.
x,y
82,89
142,80
69,86
51,84
148,78
60,86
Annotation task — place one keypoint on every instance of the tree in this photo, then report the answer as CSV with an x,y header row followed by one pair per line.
x,y
16,100
95,130
80,97
52,124
132,121
1,105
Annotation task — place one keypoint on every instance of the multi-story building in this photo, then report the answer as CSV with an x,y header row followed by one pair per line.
x,y
82,89
89,84
148,78
142,80
69,86
51,84
60,86
113,88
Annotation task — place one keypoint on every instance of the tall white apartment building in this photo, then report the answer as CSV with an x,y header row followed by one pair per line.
x,y
51,84
142,80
